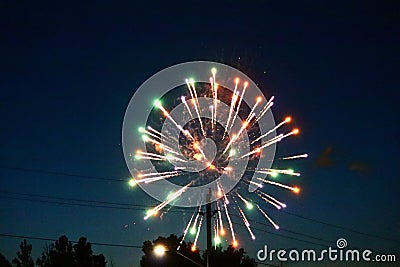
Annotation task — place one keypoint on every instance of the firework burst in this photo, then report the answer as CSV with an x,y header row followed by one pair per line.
x,y
221,130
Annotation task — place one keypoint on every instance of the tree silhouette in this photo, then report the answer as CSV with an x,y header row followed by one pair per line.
x,y
230,257
4,262
24,258
83,253
63,254
218,257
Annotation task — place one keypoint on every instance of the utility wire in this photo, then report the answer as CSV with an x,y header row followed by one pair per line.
x,y
52,239
75,199
174,210
62,174
260,203
139,207
276,234
265,205
127,207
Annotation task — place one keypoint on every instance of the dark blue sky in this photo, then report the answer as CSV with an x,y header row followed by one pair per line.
x,y
68,72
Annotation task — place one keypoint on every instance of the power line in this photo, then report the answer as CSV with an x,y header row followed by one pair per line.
x,y
54,240
74,199
179,210
131,206
62,174
263,204
79,204
138,207
282,229
280,235
331,224
70,204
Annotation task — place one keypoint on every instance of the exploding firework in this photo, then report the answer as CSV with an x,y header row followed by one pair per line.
x,y
216,141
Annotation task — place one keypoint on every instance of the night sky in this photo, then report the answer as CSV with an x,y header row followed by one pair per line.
x,y
68,73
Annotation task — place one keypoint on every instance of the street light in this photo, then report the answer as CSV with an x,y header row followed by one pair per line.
x,y
160,250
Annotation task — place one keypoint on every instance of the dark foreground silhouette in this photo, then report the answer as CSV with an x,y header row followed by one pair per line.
x,y
59,254
218,257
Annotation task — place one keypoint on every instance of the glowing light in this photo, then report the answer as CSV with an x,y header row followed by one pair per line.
x,y
259,99
217,240
232,152
150,213
132,182
213,71
249,206
274,174
159,148
193,249
141,129
198,156
228,168
235,243
157,103
159,250
296,190
296,131
288,119
193,230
